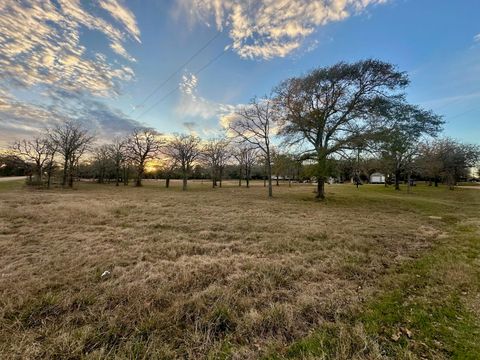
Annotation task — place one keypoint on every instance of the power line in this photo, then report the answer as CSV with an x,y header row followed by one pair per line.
x,y
463,113
449,104
163,83
178,86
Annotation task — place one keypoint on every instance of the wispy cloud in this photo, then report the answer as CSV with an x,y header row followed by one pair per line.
x,y
215,117
40,44
41,50
194,106
20,119
123,16
271,28
442,103
476,38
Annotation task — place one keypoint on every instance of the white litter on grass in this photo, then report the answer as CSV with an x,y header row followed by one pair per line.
x,y
435,217
105,273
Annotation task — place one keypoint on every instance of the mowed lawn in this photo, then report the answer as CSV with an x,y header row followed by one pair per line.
x,y
227,273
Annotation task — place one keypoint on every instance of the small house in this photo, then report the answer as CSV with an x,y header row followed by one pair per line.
x,y
377,178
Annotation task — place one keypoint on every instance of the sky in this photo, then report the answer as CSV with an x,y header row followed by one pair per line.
x,y
183,65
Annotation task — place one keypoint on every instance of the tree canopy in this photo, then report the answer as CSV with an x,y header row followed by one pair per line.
x,y
331,109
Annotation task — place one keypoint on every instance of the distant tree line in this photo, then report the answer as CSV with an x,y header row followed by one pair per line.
x,y
342,122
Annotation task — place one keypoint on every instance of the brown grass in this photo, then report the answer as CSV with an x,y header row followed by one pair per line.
x,y
193,275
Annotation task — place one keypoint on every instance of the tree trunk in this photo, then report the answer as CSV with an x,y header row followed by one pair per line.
x,y
321,174
49,180
138,180
397,179
240,175
125,176
65,169
70,180
184,188
269,169
71,169
320,189
39,173
185,178
451,182
117,175
167,181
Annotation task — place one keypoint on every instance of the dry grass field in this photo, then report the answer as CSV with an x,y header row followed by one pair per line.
x,y
226,273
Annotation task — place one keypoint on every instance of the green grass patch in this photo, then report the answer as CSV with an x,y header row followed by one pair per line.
x,y
422,309
11,185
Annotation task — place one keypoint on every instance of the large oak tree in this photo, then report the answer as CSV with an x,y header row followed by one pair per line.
x,y
330,108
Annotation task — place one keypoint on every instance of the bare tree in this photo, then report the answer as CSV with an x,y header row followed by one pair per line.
x,y
101,162
168,166
238,155
142,145
284,165
216,153
50,164
185,149
247,156
71,140
117,153
251,157
38,151
253,124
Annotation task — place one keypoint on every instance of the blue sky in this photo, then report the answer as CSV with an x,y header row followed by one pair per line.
x,y
106,57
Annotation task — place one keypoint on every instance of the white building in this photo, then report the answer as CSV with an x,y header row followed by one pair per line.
x,y
377,178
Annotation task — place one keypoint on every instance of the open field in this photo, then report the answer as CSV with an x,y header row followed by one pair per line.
x,y
226,273
11,178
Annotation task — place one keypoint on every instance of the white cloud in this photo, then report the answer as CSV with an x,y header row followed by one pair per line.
x,y
216,117
40,45
194,106
476,38
271,28
123,16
